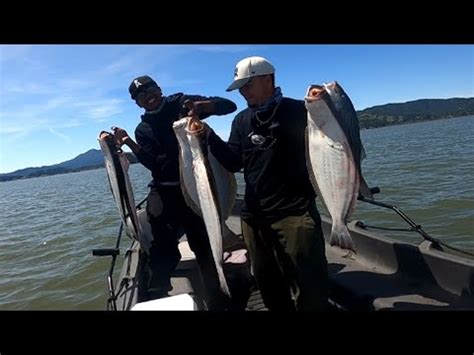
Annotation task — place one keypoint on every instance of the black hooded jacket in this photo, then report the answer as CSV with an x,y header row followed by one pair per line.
x,y
159,149
275,171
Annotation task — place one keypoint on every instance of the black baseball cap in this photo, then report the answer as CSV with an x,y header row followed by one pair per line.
x,y
140,83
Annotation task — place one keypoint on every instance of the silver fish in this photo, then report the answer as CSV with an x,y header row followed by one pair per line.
x,y
334,151
116,167
349,122
208,188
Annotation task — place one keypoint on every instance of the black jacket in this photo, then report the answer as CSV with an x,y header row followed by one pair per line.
x,y
159,147
275,172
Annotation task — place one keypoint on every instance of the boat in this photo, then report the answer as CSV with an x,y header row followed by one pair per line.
x,y
384,274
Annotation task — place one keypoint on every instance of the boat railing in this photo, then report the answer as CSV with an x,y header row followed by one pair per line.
x,y
113,252
414,227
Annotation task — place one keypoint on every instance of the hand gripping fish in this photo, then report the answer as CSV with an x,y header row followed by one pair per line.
x,y
207,187
334,152
116,166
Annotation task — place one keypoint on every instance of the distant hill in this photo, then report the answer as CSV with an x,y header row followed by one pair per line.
x,y
415,111
92,159
376,116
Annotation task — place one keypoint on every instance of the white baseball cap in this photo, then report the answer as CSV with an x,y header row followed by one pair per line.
x,y
248,68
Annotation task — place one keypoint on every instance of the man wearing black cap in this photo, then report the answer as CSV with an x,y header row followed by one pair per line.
x,y
280,222
157,149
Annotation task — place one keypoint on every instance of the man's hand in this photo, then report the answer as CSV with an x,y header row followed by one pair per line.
x,y
121,136
206,129
196,108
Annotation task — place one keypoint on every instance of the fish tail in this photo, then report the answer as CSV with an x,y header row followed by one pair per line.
x,y
341,237
223,282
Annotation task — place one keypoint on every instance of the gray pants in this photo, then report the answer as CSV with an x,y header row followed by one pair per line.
x,y
289,261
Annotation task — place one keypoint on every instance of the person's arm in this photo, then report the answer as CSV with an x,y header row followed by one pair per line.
x,y
228,154
207,106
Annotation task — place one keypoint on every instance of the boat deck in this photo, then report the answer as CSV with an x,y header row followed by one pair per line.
x,y
383,275
390,275
255,302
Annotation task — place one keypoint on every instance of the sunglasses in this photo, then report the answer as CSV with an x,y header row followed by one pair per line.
x,y
144,92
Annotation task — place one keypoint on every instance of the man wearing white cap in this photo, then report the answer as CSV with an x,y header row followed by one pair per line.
x,y
280,222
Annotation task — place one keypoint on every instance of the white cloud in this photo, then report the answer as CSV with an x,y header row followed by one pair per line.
x,y
23,126
15,135
53,113
60,135
119,66
54,99
75,84
167,81
226,48
71,123
103,112
102,109
30,89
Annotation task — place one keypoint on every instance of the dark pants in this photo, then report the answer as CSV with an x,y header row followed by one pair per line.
x,y
167,213
289,261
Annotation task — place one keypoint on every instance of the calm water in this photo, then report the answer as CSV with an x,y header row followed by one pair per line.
x,y
49,225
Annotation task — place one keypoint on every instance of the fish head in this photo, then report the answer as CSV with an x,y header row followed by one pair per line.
x,y
180,124
331,87
335,90
103,135
313,92
193,125
313,96
318,104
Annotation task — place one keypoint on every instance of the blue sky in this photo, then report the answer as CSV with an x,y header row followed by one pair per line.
x,y
55,99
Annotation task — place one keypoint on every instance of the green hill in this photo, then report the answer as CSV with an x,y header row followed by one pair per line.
x,y
415,111
92,159
376,116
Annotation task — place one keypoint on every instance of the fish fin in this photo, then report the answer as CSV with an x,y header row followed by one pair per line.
x,y
364,189
341,237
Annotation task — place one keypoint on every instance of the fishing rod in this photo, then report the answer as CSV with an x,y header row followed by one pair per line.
x,y
141,203
414,227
